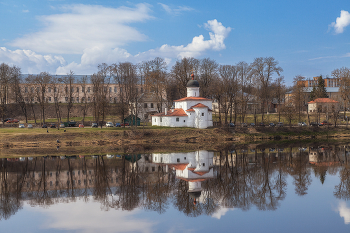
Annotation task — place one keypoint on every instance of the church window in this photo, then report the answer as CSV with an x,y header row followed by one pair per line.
x,y
177,119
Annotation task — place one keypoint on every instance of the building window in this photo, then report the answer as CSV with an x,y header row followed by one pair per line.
x,y
177,119
110,90
160,119
88,99
202,113
72,89
77,89
115,89
26,89
155,120
184,120
82,99
49,89
115,99
83,89
178,160
66,98
151,105
55,89
89,89
49,99
77,99
145,105
203,164
184,158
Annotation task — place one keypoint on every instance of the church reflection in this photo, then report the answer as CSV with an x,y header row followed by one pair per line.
x,y
195,183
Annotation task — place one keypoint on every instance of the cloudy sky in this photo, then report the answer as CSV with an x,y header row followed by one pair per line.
x,y
308,38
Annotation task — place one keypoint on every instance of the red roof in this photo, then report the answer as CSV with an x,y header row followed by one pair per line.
x,y
193,180
199,106
192,98
200,173
173,112
190,110
180,166
323,100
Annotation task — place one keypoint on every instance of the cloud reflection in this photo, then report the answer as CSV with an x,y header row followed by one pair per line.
x,y
221,212
87,217
344,212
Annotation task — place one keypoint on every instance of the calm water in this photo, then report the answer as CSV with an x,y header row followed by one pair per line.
x,y
249,189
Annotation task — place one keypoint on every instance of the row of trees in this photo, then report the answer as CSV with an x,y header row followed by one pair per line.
x,y
237,89
232,86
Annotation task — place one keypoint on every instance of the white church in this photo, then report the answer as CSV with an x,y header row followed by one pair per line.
x,y
191,111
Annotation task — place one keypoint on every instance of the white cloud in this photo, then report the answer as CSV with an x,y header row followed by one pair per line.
x,y
341,22
25,11
85,26
98,34
31,61
175,10
217,34
220,212
344,212
87,217
92,57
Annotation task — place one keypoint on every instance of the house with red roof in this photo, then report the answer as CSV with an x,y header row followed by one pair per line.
x,y
323,105
191,111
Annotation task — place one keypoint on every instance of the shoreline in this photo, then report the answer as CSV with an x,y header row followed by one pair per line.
x,y
75,140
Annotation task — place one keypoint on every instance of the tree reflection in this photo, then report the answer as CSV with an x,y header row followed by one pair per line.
x,y
238,179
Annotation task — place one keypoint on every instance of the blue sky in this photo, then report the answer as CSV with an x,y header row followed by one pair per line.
x,y
308,38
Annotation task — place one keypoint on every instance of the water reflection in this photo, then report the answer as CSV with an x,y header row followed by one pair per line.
x,y
194,183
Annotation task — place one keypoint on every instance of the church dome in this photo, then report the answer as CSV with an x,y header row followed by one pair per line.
x,y
193,83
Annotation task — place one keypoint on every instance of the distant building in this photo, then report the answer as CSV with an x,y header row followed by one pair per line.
x,y
328,82
191,111
323,105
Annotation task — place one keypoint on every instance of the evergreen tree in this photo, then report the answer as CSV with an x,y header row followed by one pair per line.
x,y
313,94
321,89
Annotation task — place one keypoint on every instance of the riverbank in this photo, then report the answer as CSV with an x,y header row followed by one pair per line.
x,y
94,140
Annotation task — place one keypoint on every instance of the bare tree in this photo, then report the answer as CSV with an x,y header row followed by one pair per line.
x,y
263,70
246,85
69,81
155,76
299,95
279,91
208,72
29,81
181,72
344,75
42,81
228,74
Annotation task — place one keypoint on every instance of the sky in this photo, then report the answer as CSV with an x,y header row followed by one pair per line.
x,y
308,38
